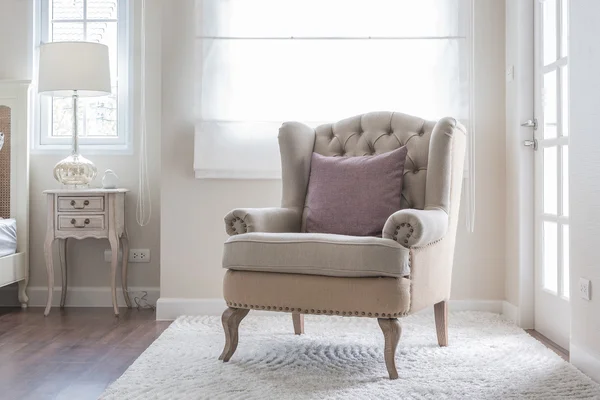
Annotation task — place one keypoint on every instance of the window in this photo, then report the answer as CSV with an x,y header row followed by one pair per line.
x,y
263,62
103,122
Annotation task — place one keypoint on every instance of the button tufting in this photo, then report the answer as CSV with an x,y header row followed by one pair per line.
x,y
403,224
415,171
405,241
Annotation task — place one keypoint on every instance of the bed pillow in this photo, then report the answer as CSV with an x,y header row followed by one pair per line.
x,y
353,195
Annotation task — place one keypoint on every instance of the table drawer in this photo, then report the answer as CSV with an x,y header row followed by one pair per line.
x,y
81,204
80,222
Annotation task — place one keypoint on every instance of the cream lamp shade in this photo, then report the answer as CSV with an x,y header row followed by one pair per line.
x,y
68,66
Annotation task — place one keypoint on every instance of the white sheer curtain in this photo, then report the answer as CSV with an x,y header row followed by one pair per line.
x,y
263,62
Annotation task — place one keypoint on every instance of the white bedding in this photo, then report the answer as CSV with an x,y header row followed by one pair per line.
x,y
8,236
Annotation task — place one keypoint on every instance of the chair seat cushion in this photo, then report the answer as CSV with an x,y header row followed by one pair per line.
x,y
316,254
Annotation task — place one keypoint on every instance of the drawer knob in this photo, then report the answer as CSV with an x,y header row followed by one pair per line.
x,y
85,222
74,204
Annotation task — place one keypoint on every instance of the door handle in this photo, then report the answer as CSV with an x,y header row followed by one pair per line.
x,y
530,123
531,143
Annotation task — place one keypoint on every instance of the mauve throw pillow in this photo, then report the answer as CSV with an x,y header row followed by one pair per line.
x,y
353,195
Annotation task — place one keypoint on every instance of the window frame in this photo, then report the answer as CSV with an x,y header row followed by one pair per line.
x,y
122,143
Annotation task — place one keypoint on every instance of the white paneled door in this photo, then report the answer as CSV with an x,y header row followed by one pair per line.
x,y
551,133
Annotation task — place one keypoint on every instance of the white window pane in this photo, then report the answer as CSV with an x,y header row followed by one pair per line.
x,y
565,180
564,38
550,105
279,80
66,9
101,116
62,117
565,100
67,31
565,261
549,30
102,9
331,18
550,181
550,265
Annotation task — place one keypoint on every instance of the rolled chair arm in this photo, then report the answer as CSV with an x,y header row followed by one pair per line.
x,y
415,228
243,220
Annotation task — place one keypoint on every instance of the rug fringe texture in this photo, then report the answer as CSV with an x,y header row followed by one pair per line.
x,y
342,358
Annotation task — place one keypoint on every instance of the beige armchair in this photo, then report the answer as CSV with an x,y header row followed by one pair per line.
x,y
272,265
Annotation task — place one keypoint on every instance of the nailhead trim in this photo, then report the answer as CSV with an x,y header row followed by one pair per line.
x,y
313,311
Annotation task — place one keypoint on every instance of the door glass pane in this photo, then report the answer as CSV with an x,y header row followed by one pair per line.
x,y
564,37
550,105
565,261
550,181
549,30
565,180
564,100
550,264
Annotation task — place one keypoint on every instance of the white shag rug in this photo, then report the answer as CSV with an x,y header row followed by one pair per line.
x,y
342,358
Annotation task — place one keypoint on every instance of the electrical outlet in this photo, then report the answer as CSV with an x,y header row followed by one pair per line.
x,y
585,287
139,255
135,255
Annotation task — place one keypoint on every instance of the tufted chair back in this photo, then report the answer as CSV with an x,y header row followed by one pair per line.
x,y
380,132
430,163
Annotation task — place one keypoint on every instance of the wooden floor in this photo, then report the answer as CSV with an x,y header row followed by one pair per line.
x,y
72,354
564,354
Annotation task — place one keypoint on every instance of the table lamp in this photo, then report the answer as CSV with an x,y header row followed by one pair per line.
x,y
75,69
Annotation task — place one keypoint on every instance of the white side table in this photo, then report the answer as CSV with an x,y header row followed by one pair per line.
x,y
86,213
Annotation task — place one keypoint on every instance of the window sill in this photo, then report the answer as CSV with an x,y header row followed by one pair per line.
x,y
109,150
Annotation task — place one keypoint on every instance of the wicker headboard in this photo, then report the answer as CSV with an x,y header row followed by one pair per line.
x,y
5,163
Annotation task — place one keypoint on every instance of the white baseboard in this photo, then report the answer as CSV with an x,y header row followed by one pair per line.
x,y
171,308
510,312
586,360
77,296
168,309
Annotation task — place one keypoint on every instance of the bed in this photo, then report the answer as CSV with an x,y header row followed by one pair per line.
x,y
14,186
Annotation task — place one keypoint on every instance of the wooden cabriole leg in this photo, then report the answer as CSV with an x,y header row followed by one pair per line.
x,y
124,262
231,319
298,323
62,252
391,333
441,322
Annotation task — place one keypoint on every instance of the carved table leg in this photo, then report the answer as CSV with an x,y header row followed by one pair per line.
x,y
62,252
441,322
114,248
391,333
298,323
50,271
231,321
125,262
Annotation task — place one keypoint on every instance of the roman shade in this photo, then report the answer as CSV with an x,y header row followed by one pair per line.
x,y
262,62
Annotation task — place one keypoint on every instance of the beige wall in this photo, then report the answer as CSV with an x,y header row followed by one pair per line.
x,y
584,171
87,257
192,210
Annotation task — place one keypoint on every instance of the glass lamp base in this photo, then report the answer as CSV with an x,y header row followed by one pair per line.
x,y
75,171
